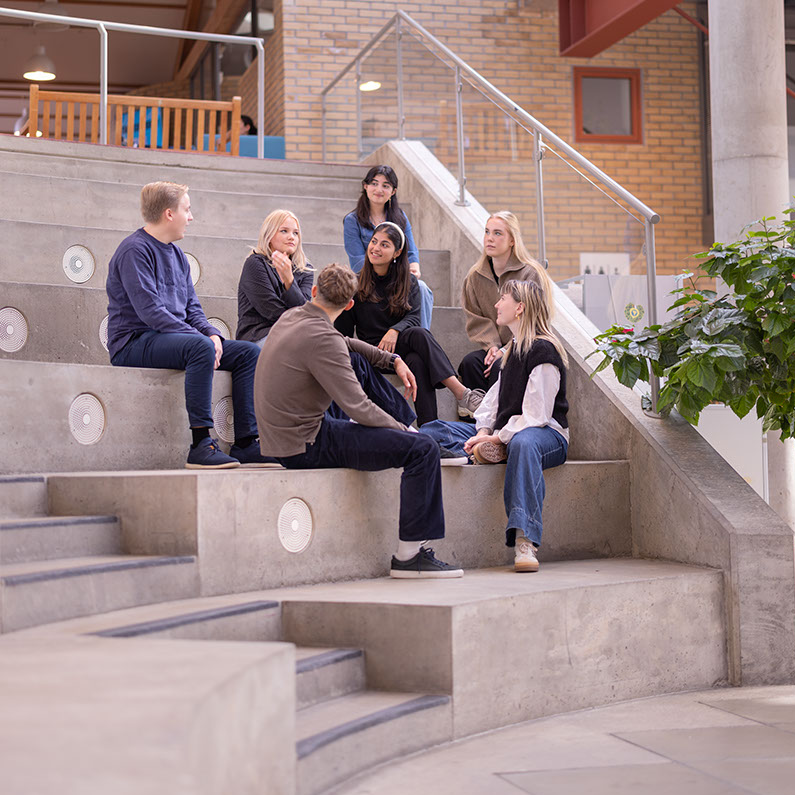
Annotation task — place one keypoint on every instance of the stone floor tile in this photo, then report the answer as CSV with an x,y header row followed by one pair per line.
x,y
775,708
713,744
660,779
760,776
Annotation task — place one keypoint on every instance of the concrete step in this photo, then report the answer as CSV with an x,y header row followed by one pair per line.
x,y
323,674
75,202
48,538
205,173
234,617
509,647
233,518
121,161
76,331
340,738
23,495
148,431
34,252
46,591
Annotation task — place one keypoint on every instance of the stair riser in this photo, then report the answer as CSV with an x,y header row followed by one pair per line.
x,y
330,681
255,627
44,602
350,755
319,185
74,202
22,497
69,540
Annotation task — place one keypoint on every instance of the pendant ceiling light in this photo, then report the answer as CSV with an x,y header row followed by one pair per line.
x,y
39,67
55,8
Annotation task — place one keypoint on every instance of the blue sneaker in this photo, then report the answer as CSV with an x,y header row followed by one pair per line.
x,y
251,456
207,455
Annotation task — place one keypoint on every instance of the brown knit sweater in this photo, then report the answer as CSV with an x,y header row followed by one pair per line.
x,y
481,292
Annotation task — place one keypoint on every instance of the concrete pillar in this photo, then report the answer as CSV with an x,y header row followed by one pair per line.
x,y
749,152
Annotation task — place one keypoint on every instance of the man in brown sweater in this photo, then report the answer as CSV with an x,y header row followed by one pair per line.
x,y
306,365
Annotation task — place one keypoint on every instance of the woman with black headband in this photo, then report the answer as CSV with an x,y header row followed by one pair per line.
x,y
377,203
386,313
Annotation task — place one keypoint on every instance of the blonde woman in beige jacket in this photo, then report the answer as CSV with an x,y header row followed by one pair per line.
x,y
504,257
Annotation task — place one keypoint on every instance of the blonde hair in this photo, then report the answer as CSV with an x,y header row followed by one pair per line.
x,y
535,323
270,226
157,197
521,253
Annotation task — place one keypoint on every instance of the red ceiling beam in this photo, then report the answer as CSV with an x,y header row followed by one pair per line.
x,y
587,27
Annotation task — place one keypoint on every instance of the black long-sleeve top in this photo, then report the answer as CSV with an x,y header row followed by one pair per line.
x,y
371,319
262,299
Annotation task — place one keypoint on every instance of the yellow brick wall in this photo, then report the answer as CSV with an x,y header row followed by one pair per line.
x,y
513,44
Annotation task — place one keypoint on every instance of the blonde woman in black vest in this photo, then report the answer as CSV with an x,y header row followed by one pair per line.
x,y
522,418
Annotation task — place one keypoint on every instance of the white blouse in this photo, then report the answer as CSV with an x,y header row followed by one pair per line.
x,y
537,405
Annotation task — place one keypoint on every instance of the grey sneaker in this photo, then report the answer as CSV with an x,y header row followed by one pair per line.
x,y
469,402
424,565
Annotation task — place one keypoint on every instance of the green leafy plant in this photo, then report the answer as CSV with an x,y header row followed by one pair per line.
x,y
737,349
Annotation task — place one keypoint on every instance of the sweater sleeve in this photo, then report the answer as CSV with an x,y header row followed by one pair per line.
x,y
481,330
486,412
137,274
412,317
258,282
376,357
538,402
412,252
352,238
331,367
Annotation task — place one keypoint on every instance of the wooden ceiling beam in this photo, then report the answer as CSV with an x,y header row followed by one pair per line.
x,y
222,20
193,11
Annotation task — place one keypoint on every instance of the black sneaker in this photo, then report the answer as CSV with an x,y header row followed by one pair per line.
x,y
424,565
450,459
251,457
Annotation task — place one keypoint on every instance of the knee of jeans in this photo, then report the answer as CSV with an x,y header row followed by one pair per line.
x,y
524,445
433,428
425,445
203,348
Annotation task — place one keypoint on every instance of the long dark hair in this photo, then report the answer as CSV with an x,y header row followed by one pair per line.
x,y
392,208
398,283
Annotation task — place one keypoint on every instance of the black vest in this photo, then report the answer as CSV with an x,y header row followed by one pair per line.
x,y
513,383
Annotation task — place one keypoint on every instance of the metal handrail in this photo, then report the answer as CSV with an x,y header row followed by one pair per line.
x,y
541,135
102,27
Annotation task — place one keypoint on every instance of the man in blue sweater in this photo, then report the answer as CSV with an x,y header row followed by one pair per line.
x,y
156,320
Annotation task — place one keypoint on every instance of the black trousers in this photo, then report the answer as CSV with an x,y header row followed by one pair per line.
x,y
471,371
422,353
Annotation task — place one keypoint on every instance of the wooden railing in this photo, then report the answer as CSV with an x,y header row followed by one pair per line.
x,y
143,122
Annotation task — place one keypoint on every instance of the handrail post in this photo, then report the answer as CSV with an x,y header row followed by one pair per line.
x,y
103,83
651,292
538,156
358,75
461,201
260,99
401,118
323,127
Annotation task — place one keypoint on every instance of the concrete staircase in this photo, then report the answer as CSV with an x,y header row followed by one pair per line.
x,y
58,567
176,617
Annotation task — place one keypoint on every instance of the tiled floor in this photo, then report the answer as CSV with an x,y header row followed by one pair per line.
x,y
718,742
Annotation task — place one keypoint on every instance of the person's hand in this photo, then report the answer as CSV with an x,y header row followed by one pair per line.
x,y
407,377
283,266
483,435
219,349
414,267
493,354
388,341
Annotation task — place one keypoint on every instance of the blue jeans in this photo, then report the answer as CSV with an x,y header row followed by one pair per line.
x,y
195,354
529,453
426,305
341,443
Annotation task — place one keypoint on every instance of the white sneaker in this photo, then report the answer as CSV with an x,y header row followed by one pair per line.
x,y
525,556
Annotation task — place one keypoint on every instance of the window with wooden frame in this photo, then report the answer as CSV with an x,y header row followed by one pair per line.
x,y
607,105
